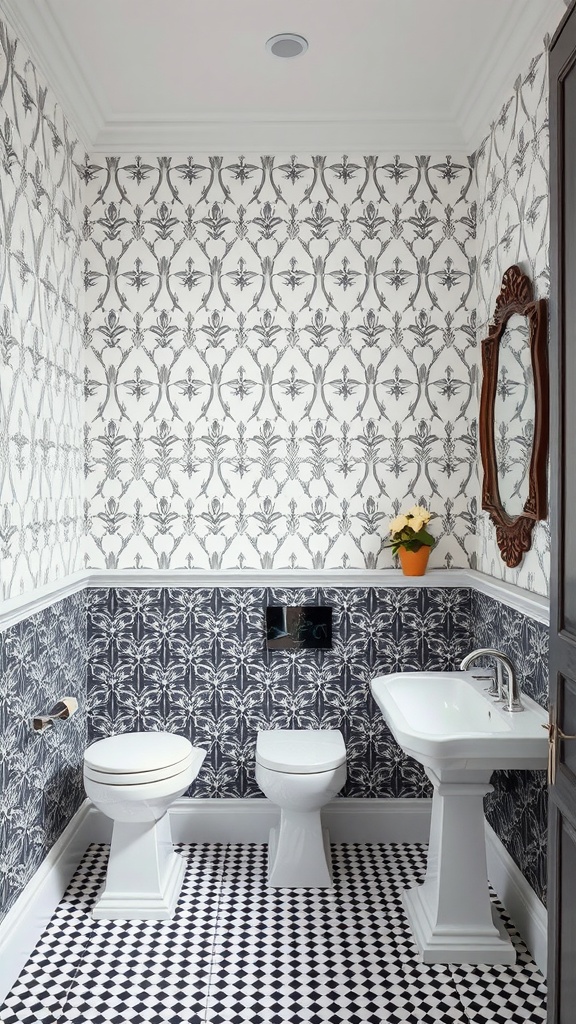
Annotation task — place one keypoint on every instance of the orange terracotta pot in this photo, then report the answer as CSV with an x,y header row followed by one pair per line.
x,y
414,562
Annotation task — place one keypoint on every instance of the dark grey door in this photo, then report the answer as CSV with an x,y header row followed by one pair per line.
x,y
562,800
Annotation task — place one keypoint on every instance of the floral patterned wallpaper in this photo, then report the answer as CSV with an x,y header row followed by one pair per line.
x,y
513,227
41,356
41,660
518,807
41,465
281,353
194,661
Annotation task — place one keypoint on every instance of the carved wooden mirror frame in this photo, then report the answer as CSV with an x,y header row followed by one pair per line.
x,y
514,535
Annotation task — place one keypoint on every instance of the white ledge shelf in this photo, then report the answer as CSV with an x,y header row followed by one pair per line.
x,y
295,578
24,605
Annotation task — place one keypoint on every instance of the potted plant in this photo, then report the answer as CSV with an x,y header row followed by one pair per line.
x,y
411,541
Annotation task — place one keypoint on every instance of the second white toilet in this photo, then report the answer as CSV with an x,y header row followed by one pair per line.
x,y
300,770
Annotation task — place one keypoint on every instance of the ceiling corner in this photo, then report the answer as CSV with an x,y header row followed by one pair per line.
x,y
36,28
521,39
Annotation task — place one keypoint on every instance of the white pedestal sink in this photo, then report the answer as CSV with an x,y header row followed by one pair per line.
x,y
446,721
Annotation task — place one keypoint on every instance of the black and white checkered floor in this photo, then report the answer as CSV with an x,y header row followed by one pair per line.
x,y
242,953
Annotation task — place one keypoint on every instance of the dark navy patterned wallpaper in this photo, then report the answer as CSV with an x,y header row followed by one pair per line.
x,y
195,662
517,809
41,659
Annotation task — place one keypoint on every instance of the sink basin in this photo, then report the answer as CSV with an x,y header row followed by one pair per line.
x,y
446,721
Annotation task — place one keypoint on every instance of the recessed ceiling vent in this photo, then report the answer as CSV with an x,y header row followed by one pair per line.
x,y
287,45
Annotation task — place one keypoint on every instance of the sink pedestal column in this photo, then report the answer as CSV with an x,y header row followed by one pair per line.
x,y
451,914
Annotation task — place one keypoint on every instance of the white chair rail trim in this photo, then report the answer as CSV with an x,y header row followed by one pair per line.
x,y
21,607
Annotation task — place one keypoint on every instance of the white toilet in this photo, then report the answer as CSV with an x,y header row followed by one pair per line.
x,y
300,770
133,778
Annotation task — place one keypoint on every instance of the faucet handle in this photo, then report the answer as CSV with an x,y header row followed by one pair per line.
x,y
496,688
491,677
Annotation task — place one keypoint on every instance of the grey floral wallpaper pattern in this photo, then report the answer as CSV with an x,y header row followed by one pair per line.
x,y
518,807
195,662
41,354
281,350
511,177
41,660
281,353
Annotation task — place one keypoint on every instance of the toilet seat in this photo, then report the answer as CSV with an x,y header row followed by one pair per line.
x,y
137,778
300,751
137,758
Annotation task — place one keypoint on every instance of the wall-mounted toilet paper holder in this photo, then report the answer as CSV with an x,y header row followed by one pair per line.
x,y
60,712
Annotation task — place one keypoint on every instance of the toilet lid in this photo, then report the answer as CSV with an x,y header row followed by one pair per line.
x,y
300,751
142,778
137,752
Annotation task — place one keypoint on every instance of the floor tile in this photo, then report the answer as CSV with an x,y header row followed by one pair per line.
x,y
241,952
319,955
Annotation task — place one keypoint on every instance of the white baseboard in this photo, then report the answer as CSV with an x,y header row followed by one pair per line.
x,y
517,895
229,821
27,919
348,820
378,820
222,821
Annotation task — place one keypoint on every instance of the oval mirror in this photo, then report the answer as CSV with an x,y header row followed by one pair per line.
x,y
514,415
514,410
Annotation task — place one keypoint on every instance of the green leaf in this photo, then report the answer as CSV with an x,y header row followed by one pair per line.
x,y
424,537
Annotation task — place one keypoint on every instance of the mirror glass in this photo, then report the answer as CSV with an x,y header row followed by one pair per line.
x,y
514,412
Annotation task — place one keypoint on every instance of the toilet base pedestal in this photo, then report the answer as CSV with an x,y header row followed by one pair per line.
x,y
144,875
299,852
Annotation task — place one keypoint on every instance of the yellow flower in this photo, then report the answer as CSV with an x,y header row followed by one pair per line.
x,y
416,523
421,513
398,524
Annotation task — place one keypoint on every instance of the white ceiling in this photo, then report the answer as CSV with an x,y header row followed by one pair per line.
x,y
153,75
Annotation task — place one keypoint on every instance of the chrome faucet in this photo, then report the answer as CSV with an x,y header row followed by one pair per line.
x,y
513,701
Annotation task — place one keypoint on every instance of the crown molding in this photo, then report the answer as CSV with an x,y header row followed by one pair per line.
x,y
21,607
101,133
461,132
522,37
35,27
257,133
